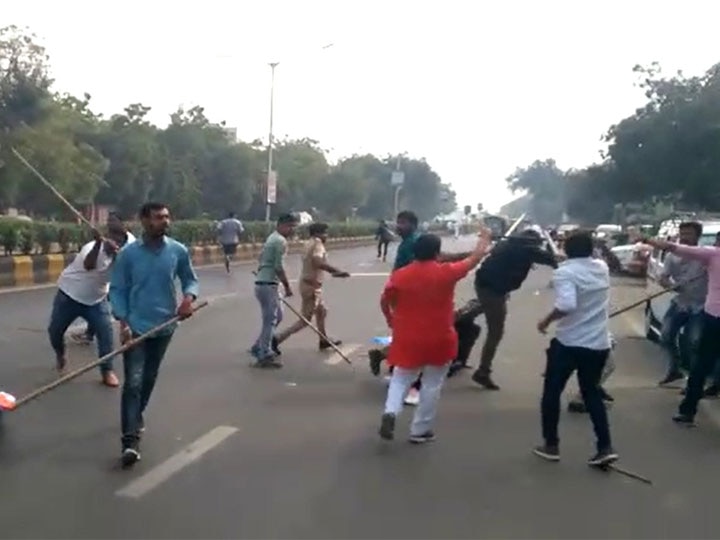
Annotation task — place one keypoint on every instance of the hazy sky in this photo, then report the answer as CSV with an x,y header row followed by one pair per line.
x,y
475,87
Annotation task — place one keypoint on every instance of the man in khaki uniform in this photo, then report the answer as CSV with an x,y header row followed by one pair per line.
x,y
314,265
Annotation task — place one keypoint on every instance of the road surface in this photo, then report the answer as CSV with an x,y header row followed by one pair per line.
x,y
232,452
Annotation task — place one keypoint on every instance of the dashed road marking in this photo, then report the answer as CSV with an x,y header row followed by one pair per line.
x,y
347,350
191,453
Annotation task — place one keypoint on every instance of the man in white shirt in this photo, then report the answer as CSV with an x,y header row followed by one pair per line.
x,y
82,292
582,343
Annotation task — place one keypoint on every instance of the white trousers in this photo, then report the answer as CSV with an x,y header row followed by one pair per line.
x,y
432,383
606,372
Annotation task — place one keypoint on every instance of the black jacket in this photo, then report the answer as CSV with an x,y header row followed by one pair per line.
x,y
509,263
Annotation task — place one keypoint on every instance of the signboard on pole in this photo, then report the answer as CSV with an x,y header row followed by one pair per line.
x,y
272,187
397,179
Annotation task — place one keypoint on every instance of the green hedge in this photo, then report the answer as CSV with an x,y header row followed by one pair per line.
x,y
22,237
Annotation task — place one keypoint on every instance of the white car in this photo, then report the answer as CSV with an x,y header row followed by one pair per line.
x,y
656,308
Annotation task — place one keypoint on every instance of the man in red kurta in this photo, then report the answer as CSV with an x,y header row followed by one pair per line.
x,y
418,305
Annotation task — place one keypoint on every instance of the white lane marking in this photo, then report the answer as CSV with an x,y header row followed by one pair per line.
x,y
192,452
369,274
347,350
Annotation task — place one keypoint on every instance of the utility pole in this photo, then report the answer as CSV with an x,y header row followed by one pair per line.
x,y
270,189
398,178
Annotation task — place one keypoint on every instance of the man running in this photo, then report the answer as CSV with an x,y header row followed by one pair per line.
x,y
229,231
314,265
407,228
82,292
418,306
271,273
502,272
582,343
384,236
143,296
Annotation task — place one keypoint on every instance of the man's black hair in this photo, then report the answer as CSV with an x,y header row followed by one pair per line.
x,y
284,219
694,225
148,208
409,216
116,215
579,244
231,215
318,228
427,247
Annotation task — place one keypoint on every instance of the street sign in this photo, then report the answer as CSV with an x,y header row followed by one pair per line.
x,y
272,187
397,179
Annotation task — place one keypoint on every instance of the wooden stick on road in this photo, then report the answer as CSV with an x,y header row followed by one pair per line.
x,y
84,369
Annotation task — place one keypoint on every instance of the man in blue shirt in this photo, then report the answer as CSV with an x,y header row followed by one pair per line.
x,y
143,296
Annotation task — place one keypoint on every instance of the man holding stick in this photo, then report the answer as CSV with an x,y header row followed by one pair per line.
x,y
314,265
82,291
582,343
709,347
143,296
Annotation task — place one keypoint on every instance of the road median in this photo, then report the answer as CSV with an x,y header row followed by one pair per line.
x,y
31,270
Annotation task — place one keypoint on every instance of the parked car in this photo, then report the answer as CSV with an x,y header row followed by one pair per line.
x,y
656,308
631,259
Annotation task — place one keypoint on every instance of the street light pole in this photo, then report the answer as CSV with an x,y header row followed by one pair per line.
x,y
397,188
273,65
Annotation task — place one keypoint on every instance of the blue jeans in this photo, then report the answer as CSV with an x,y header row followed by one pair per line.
x,y
708,353
141,365
65,310
271,315
675,319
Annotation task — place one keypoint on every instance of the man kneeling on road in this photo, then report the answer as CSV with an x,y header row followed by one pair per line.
x,y
314,264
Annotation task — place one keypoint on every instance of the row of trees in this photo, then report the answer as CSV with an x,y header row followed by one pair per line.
x,y
191,164
667,152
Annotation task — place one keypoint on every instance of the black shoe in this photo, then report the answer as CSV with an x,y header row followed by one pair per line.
x,y
671,377
605,396
684,420
603,458
376,357
130,456
455,367
712,391
576,407
387,427
325,345
275,346
484,380
267,363
423,438
547,452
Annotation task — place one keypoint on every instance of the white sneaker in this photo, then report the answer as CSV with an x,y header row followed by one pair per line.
x,y
412,398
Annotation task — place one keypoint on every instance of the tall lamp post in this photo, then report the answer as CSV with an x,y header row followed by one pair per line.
x,y
397,180
271,182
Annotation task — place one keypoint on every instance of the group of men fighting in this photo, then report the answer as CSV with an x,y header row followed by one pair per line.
x,y
132,280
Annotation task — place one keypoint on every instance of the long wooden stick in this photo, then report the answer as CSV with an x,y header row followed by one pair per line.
x,y
316,330
92,365
51,188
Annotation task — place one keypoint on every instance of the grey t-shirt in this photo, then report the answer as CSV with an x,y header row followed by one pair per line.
x,y
691,275
229,231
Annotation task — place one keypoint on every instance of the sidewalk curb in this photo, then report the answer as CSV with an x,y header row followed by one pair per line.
x,y
23,273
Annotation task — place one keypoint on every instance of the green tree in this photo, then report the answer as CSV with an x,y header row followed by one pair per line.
x,y
545,182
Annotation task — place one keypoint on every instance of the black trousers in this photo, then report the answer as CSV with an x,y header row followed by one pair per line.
x,y
383,248
708,353
562,361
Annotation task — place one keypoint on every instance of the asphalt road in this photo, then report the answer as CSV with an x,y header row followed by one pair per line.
x,y
232,452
